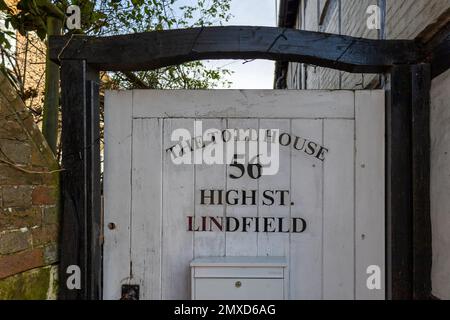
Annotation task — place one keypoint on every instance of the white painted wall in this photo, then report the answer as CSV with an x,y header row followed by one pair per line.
x,y
440,184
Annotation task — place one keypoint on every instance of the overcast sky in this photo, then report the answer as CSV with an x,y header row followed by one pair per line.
x,y
256,74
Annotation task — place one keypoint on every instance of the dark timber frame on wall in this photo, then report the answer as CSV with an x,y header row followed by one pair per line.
x,y
410,65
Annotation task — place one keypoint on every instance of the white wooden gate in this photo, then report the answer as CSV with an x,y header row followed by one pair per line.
x,y
148,198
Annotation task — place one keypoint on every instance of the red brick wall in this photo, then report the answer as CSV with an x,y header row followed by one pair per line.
x,y
28,199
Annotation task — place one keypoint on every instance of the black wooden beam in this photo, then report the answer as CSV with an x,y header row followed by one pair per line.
x,y
408,183
399,185
153,50
437,50
440,58
80,181
422,257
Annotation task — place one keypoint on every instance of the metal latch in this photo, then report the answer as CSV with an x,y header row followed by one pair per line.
x,y
130,292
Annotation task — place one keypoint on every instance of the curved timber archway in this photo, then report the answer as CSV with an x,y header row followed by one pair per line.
x,y
409,63
153,50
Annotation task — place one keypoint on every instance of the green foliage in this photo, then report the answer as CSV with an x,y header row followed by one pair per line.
x,y
111,17
191,75
148,15
31,15
5,39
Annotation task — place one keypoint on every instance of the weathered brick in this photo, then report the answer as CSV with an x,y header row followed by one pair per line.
x,y
29,123
43,195
44,234
37,159
12,176
51,254
22,143
17,152
45,153
19,262
16,218
50,215
17,196
50,178
14,241
12,129
34,284
7,91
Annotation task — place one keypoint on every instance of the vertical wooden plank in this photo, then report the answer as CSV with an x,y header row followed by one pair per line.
x,y
80,190
276,244
146,207
209,177
440,184
242,243
421,149
338,211
178,203
305,266
117,192
94,221
369,191
73,77
398,185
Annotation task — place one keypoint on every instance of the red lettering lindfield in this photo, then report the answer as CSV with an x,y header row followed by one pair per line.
x,y
246,224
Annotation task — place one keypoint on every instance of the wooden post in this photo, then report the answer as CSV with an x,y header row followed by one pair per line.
x,y
408,181
422,257
80,183
398,185
51,97
94,193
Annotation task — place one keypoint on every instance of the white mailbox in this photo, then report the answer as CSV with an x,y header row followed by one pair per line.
x,y
239,278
